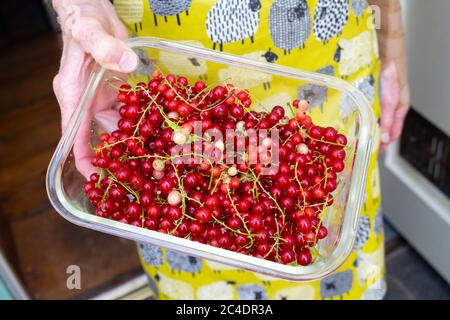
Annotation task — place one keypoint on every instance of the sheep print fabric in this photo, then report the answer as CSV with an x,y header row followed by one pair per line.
x,y
334,37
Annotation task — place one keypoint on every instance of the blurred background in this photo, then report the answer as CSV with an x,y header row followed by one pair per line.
x,y
37,245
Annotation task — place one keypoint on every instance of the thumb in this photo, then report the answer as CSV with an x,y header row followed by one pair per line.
x,y
111,53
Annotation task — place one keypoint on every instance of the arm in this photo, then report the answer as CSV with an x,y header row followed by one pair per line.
x,y
395,96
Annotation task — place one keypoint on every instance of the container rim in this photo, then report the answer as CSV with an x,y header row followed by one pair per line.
x,y
314,271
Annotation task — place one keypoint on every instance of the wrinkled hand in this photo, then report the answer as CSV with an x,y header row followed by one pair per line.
x,y
395,96
395,103
91,31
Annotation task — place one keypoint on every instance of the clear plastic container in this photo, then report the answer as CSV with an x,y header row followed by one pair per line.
x,y
343,106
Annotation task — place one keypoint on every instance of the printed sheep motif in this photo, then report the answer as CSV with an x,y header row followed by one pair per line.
x,y
375,291
314,93
183,262
151,254
327,70
330,17
367,87
233,20
336,284
174,289
370,266
359,6
182,64
270,56
146,65
362,233
221,290
130,12
304,292
242,78
169,8
378,223
347,107
251,292
289,23
354,54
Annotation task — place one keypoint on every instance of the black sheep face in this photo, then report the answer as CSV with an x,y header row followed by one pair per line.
x,y
254,5
270,56
337,54
297,13
323,12
309,94
336,284
300,9
251,292
183,262
194,62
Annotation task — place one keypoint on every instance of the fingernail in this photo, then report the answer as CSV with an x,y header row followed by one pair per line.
x,y
385,137
127,61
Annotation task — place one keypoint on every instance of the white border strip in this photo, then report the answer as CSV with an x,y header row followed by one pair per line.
x,y
417,183
128,290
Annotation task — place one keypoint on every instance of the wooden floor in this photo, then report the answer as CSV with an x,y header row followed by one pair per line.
x,y
38,242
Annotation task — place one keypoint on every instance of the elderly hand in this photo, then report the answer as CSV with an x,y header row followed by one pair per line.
x,y
91,31
395,95
395,103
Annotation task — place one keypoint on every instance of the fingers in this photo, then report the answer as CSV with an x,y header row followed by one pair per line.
x,y
58,5
116,26
400,113
71,79
98,30
394,105
88,27
68,85
397,126
399,119
108,51
106,120
81,150
390,96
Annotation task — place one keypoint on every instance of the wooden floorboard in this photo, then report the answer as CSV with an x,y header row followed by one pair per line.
x,y
26,72
39,243
49,244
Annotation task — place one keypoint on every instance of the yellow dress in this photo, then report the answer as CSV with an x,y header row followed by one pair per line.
x,y
329,36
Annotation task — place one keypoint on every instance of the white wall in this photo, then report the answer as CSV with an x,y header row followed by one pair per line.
x,y
427,27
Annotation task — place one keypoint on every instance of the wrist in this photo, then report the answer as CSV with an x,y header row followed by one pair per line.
x,y
390,33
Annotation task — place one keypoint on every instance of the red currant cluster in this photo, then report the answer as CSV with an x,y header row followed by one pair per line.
x,y
145,183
